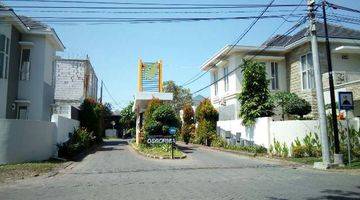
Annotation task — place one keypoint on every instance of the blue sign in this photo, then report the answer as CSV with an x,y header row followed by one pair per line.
x,y
172,130
346,101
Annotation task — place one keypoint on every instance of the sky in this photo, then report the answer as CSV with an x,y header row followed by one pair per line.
x,y
114,49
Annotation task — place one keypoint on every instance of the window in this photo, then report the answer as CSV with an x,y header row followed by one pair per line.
x,y
25,65
274,76
215,78
226,79
4,56
22,112
307,75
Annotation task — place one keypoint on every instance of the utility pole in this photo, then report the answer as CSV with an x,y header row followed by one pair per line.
x,y
319,89
338,159
101,92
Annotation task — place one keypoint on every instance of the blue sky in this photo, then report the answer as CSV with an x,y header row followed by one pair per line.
x,y
114,49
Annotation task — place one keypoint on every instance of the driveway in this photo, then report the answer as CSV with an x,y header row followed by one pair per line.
x,y
117,172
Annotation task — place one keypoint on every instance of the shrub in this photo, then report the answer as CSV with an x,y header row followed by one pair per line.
x,y
298,151
92,116
206,111
128,119
205,132
79,141
206,116
254,98
218,142
158,119
188,125
282,99
298,106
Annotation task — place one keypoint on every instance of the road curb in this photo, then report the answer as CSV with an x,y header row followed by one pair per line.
x,y
156,157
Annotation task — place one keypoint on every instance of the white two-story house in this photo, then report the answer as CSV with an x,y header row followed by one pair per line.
x,y
289,67
27,62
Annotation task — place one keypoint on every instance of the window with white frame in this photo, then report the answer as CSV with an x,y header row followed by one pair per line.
x,y
4,56
274,76
25,65
307,71
215,78
226,78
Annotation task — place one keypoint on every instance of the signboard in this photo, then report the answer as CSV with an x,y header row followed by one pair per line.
x,y
172,130
346,101
160,139
150,76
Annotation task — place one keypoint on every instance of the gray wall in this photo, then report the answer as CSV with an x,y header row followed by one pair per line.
x,y
26,140
13,80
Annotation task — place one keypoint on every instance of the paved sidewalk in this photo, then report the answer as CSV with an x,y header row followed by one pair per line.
x,y
117,172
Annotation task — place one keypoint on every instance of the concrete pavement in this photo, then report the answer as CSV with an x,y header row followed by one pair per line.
x,y
118,172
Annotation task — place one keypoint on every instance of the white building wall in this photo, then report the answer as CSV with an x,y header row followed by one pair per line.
x,y
32,90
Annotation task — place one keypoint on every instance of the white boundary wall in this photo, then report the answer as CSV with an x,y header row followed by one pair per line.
x,y
265,130
64,127
25,140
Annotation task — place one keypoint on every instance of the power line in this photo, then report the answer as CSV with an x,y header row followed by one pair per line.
x,y
152,7
153,12
335,6
199,75
300,22
107,91
285,20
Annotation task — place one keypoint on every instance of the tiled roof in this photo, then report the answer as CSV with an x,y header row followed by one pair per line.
x,y
33,24
335,31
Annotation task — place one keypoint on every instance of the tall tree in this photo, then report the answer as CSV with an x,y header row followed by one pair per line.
x,y
254,98
182,96
127,118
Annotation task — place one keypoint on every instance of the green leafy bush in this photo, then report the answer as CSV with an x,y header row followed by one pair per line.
x,y
254,98
92,116
206,116
218,142
206,111
188,126
298,106
158,119
128,119
79,141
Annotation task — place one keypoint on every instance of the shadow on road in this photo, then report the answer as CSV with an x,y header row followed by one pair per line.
x,y
185,149
114,143
109,149
338,194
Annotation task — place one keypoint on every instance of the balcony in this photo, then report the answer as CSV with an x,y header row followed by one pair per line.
x,y
341,77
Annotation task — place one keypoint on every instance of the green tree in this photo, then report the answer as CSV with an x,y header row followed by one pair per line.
x,y
92,115
282,99
188,125
159,118
254,98
128,119
298,106
181,96
206,116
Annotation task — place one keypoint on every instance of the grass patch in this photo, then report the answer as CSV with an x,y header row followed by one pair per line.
x,y
355,164
305,160
159,150
10,172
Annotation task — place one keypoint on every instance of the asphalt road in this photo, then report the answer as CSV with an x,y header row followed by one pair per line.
x,y
117,172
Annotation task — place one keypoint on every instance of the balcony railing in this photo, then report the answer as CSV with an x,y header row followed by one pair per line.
x,y
341,77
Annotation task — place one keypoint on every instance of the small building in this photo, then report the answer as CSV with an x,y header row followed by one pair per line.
x,y
75,80
27,61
